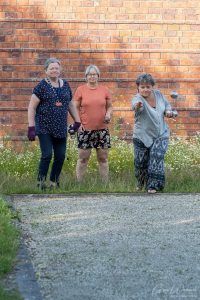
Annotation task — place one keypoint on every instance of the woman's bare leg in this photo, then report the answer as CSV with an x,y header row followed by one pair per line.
x,y
102,157
81,167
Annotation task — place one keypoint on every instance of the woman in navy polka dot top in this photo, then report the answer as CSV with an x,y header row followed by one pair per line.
x,y
47,118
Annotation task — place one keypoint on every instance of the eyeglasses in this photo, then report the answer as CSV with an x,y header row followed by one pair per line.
x,y
92,74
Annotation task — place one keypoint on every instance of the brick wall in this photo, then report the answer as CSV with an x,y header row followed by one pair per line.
x,y
123,37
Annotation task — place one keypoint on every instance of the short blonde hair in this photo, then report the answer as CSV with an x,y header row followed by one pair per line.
x,y
87,71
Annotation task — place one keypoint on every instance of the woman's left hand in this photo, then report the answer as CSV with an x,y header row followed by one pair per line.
x,y
107,119
169,114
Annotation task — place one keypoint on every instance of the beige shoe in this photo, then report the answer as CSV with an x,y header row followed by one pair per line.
x,y
152,191
139,188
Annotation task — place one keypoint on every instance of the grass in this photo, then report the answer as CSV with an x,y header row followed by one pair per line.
x,y
9,242
8,238
6,295
18,171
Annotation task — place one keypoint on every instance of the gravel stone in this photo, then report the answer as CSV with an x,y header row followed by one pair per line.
x,y
113,246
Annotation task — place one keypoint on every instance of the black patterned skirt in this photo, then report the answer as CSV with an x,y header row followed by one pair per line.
x,y
89,139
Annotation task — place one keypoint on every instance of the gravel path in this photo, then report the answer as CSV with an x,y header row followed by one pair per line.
x,y
113,247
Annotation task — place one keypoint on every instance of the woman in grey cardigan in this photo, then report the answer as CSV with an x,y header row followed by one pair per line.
x,y
150,134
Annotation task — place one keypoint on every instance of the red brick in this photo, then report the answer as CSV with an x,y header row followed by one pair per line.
x,y
119,62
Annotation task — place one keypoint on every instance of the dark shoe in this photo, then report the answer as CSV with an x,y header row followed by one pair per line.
x,y
54,185
41,186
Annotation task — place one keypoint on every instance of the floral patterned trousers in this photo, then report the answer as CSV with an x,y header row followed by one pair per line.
x,y
149,163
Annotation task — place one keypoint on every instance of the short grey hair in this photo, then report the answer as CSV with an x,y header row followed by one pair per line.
x,y
145,78
87,71
49,61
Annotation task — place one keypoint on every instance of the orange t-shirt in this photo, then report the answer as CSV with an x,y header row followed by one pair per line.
x,y
93,104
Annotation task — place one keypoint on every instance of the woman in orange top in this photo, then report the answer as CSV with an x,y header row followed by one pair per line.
x,y
94,104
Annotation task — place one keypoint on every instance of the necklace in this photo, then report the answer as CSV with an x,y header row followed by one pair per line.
x,y
58,101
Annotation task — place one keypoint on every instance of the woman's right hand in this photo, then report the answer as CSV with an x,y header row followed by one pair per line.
x,y
138,105
73,128
31,133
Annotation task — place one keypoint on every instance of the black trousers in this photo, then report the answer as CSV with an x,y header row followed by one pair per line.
x,y
50,145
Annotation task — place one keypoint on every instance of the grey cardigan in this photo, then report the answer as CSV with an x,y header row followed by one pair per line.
x,y
149,121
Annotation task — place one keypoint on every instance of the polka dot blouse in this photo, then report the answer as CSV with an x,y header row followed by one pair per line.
x,y
50,117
